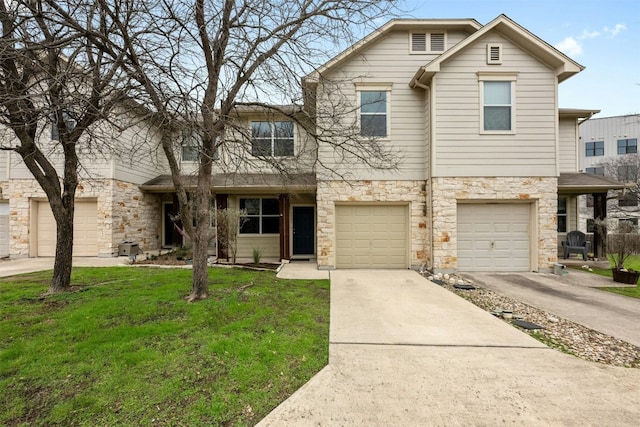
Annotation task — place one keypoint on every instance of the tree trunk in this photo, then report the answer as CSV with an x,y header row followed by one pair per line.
x,y
200,277
61,280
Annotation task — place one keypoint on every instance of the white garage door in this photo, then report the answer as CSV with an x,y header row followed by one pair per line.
x,y
371,236
493,237
85,230
4,229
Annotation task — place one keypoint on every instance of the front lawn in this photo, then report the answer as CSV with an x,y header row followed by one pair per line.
x,y
125,348
632,263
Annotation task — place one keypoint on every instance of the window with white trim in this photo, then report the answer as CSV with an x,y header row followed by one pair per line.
x,y
191,146
69,122
272,139
373,113
562,215
497,98
427,42
262,216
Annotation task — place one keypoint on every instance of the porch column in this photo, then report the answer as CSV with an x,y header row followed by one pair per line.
x,y
221,204
284,201
599,213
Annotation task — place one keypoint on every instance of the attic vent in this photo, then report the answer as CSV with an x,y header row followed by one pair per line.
x,y
437,42
418,42
494,54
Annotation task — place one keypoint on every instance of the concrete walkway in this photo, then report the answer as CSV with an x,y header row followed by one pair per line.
x,y
404,351
11,267
572,296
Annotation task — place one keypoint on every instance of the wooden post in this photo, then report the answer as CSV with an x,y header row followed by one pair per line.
x,y
599,213
285,252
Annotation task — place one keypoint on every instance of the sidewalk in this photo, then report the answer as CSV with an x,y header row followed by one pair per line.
x,y
11,267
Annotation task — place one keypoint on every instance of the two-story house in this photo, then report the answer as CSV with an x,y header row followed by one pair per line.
x,y
487,164
487,153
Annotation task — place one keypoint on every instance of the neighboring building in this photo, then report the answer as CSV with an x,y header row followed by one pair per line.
x,y
488,166
609,147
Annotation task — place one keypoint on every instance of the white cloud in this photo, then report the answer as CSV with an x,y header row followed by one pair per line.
x,y
615,30
588,35
570,46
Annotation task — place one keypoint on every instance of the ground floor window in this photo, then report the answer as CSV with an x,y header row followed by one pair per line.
x,y
261,216
562,215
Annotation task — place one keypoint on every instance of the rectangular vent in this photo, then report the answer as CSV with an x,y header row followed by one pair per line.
x,y
494,54
437,42
418,42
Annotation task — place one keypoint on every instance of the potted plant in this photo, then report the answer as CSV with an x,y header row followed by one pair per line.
x,y
620,246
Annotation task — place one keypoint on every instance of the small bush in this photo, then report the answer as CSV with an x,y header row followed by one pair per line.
x,y
257,255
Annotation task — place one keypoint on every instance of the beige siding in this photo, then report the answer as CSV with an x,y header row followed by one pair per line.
x,y
138,156
268,244
235,154
4,165
568,145
387,61
460,149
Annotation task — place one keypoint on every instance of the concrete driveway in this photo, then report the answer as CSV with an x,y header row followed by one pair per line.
x,y
404,351
572,296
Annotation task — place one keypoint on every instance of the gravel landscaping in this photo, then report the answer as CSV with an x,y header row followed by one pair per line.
x,y
557,332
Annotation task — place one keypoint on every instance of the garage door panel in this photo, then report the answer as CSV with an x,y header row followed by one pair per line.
x,y
85,229
378,238
493,237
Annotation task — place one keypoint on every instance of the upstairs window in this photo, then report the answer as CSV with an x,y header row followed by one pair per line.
x,y
598,170
262,216
272,139
594,148
497,106
191,147
427,42
627,146
69,122
373,113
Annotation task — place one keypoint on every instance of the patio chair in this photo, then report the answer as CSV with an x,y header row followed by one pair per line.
x,y
576,243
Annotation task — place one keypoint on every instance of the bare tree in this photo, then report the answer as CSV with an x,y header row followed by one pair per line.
x,y
625,169
54,76
201,63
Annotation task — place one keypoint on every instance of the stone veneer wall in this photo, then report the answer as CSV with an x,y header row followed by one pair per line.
x,y
124,213
447,192
411,192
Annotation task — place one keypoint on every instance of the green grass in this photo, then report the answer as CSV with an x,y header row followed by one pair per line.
x,y
632,263
126,349
628,291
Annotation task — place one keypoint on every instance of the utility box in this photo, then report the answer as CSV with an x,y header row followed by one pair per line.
x,y
128,249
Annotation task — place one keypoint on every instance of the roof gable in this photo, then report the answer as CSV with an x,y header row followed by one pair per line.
x,y
468,25
564,66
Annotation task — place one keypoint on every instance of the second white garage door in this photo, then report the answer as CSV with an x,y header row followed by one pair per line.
x,y
493,237
85,230
372,236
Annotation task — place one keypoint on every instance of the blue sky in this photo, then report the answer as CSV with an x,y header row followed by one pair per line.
x,y
602,35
